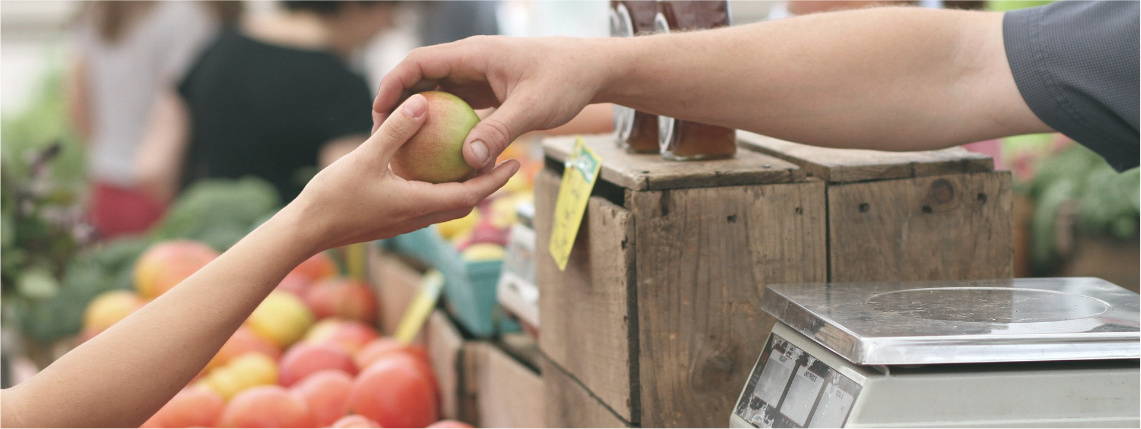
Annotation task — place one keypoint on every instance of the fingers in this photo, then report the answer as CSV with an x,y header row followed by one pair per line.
x,y
465,195
396,129
492,134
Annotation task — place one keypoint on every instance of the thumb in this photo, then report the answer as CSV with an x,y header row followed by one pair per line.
x,y
492,134
397,128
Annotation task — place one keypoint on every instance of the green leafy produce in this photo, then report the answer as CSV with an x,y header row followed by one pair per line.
x,y
219,212
1107,201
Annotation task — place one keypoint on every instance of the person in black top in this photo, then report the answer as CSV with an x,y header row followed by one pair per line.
x,y
273,98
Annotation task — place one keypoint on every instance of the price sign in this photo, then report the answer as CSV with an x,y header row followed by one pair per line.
x,y
579,177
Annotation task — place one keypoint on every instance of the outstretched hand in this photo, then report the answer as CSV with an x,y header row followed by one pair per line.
x,y
358,198
534,84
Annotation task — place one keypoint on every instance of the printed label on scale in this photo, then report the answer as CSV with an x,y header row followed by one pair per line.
x,y
790,388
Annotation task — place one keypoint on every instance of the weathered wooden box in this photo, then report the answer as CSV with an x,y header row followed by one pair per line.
x,y
657,315
656,321
934,215
508,388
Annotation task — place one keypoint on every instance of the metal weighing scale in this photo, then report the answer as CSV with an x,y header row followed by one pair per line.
x,y
1022,352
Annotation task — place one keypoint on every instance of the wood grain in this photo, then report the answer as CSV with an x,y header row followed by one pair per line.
x,y
704,257
586,309
569,405
854,165
395,284
641,172
445,344
952,227
509,394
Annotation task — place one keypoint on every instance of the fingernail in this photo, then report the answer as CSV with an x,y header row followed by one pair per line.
x,y
480,151
415,106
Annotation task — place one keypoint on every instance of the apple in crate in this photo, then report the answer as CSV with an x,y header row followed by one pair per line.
x,y
327,394
267,407
304,359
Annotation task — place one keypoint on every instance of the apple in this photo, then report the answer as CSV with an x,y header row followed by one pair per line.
x,y
435,153
342,297
349,335
449,424
243,341
281,318
267,407
194,406
395,393
108,309
168,263
455,227
327,394
355,421
317,267
479,252
305,359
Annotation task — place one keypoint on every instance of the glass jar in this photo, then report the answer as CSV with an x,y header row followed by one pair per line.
x,y
635,131
681,140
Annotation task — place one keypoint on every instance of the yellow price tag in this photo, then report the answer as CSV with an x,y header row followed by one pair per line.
x,y
420,307
579,177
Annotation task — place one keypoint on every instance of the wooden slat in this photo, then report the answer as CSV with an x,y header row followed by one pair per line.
x,y
650,171
569,405
704,257
853,165
445,343
509,394
395,284
586,308
953,227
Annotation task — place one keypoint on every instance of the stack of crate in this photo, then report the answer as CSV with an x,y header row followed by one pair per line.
x,y
656,320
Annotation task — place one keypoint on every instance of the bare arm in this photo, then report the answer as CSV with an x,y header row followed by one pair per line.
x,y
158,163
78,99
882,78
122,376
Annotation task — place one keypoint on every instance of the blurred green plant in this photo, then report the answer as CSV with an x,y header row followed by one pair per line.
x,y
41,222
1077,180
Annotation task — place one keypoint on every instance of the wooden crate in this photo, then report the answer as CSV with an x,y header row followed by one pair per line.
x,y
933,215
657,316
447,350
395,281
656,321
508,392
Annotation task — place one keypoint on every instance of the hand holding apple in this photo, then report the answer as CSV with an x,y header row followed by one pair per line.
x,y
358,198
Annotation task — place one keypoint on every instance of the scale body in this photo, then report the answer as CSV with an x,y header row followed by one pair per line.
x,y
1022,352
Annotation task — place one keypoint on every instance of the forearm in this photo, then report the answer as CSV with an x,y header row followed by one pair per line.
x,y
122,376
884,78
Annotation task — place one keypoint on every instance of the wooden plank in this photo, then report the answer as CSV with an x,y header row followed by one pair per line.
x,y
586,309
395,284
854,165
567,404
953,227
510,394
704,257
650,171
445,343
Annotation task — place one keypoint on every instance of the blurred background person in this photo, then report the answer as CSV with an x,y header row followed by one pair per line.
x,y
273,97
124,54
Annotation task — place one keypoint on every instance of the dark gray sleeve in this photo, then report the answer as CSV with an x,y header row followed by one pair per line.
x,y
1076,64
